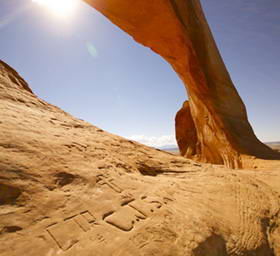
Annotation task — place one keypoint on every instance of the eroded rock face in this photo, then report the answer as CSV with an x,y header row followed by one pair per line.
x,y
178,31
11,79
69,188
185,131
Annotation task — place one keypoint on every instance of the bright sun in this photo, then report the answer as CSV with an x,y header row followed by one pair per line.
x,y
62,8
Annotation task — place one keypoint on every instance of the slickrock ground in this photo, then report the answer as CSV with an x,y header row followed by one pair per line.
x,y
70,188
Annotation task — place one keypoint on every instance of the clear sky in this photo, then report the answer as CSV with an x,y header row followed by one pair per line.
x,y
93,70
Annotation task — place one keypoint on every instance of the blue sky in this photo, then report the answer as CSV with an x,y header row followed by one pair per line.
x,y
96,72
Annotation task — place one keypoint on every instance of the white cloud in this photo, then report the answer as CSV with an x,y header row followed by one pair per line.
x,y
157,142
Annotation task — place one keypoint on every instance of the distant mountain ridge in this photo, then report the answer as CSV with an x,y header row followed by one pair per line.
x,y
273,143
174,148
168,147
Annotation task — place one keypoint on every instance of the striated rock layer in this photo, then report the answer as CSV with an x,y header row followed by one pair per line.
x,y
69,188
178,31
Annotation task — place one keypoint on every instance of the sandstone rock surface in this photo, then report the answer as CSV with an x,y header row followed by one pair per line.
x,y
186,135
69,188
178,31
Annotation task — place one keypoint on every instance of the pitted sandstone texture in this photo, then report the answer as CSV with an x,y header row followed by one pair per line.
x,y
69,188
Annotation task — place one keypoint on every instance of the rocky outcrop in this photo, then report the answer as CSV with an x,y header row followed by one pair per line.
x,y
185,132
69,188
11,79
178,31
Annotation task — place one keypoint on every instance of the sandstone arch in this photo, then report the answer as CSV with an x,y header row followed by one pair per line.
x,y
178,31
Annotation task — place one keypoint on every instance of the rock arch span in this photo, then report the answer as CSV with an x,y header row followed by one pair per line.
x,y
178,31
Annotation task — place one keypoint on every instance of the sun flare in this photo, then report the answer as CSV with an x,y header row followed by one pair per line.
x,y
62,8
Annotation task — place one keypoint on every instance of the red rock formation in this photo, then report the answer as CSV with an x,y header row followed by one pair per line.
x,y
185,131
178,31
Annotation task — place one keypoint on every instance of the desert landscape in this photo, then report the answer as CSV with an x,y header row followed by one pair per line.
x,y
274,145
69,188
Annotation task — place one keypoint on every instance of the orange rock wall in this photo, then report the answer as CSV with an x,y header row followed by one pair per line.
x,y
185,131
